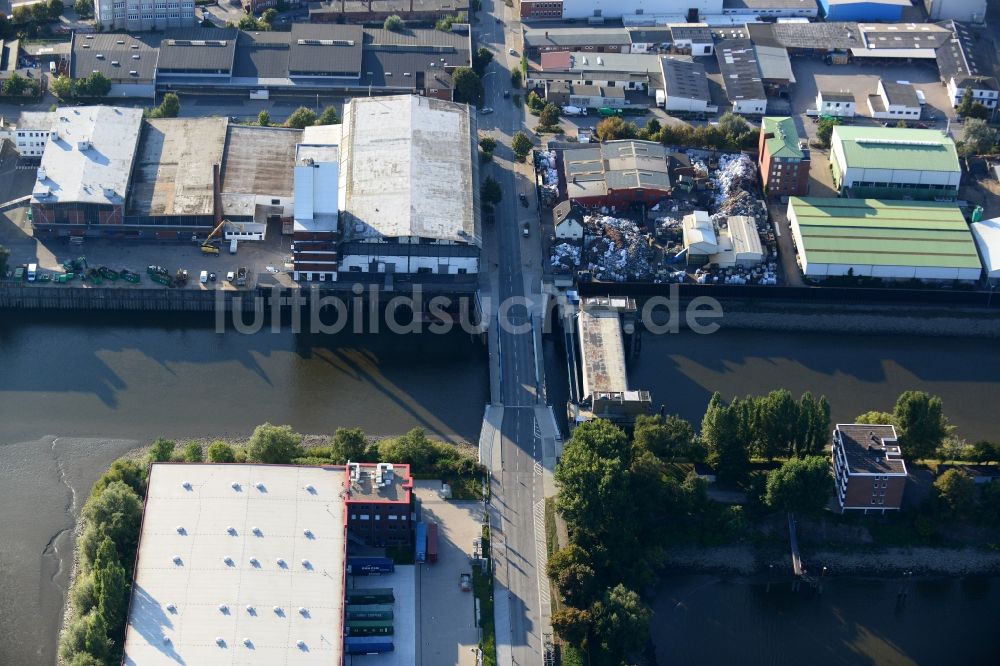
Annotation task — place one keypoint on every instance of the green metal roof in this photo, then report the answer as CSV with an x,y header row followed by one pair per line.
x,y
896,148
886,233
785,142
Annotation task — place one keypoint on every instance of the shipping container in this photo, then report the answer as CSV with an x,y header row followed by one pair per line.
x,y
370,566
421,534
369,628
367,645
374,595
432,542
376,612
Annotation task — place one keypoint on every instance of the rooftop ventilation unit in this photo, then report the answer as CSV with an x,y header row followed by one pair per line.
x,y
307,533
311,489
257,532
301,644
303,611
281,563
307,564
224,609
220,641
261,487
251,610
171,608
181,530
186,485
228,561
231,530
178,560
254,562
248,642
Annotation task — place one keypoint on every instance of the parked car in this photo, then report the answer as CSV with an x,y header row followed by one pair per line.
x,y
524,230
211,277
271,269
524,199
512,51
203,277
506,94
486,110
465,582
230,276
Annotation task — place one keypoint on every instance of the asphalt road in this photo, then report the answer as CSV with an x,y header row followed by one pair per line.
x,y
519,488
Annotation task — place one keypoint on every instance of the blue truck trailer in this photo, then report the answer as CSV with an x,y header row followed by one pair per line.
x,y
370,566
368,644
421,534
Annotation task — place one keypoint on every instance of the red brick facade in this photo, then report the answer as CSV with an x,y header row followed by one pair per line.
x,y
782,177
541,9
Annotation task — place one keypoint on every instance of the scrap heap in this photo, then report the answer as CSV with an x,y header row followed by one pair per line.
x,y
565,257
617,250
735,180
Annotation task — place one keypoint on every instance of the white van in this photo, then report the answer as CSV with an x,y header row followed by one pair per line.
x,y
32,272
52,67
232,246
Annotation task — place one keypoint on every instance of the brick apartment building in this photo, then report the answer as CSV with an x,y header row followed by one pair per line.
x,y
379,503
541,9
868,466
784,165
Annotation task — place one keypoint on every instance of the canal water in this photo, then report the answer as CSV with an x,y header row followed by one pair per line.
x,y
78,390
712,620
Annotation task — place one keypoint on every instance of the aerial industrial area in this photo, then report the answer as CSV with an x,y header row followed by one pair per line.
x,y
554,171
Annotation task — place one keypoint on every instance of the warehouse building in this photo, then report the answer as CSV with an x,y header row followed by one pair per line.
x,y
316,232
240,563
987,235
783,160
894,162
741,76
968,11
962,64
618,174
735,242
770,8
409,204
863,10
584,38
892,240
838,104
85,169
894,100
380,503
685,86
377,11
127,61
30,134
133,15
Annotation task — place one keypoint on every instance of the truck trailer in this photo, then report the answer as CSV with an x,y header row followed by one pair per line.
x,y
370,566
367,597
367,645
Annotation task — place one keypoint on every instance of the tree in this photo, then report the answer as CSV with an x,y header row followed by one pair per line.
x,y
720,433
535,103
985,452
62,87
813,430
515,78
957,491
824,131
800,484
571,624
621,622
573,574
614,128
220,452
735,127
55,8
248,23
414,448
651,131
85,637
521,145
170,107
84,8
445,23
922,424
111,586
490,192
22,14
40,13
301,118
263,118
4,258
977,137
671,438
328,117
193,452
549,117
95,85
130,472
116,514
349,444
274,444
488,144
966,104
393,23
876,418
466,85
161,450
269,15
978,110
481,59
82,593
775,422
15,85
592,479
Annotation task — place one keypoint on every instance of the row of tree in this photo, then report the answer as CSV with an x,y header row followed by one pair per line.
x,y
732,132
42,12
19,86
302,117
769,427
94,84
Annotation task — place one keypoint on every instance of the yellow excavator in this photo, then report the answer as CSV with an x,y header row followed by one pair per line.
x,y
207,247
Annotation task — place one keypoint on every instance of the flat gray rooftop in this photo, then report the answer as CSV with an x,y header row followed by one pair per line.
x,y
603,351
173,171
260,160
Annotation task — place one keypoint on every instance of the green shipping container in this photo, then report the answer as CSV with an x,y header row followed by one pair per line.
x,y
375,595
383,612
369,628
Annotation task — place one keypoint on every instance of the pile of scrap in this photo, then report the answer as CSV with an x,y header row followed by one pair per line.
x,y
735,177
565,257
617,250
548,175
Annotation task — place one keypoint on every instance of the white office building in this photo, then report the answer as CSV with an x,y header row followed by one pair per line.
x,y
143,14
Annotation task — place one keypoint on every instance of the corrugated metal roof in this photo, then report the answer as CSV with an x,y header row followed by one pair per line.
x,y
896,148
198,50
785,142
682,77
100,53
887,233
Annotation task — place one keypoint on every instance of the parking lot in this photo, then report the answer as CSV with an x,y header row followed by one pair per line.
x,y
49,254
446,622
